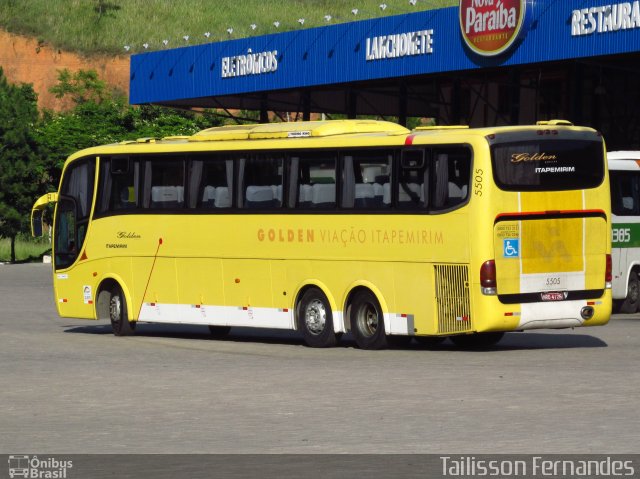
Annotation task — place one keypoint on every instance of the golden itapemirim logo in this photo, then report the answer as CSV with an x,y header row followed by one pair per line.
x,y
490,27
525,157
348,237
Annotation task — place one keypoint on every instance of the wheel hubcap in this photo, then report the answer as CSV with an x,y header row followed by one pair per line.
x,y
115,308
315,317
368,320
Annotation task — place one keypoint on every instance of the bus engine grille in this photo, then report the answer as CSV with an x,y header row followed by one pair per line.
x,y
452,298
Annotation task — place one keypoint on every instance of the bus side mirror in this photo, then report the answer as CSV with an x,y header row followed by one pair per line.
x,y
36,223
37,212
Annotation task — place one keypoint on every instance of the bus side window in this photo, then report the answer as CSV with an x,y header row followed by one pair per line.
x,y
452,175
624,193
210,183
164,183
412,191
261,179
118,184
315,181
365,176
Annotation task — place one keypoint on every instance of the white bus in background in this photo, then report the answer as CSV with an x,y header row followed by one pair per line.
x,y
624,174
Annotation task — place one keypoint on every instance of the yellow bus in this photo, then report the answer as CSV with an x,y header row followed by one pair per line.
x,y
331,227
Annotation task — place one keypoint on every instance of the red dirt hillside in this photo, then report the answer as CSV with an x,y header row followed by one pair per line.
x,y
24,60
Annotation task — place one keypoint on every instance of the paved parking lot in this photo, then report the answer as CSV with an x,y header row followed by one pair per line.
x,y
70,386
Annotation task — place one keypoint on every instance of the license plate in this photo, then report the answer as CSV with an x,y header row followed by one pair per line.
x,y
554,296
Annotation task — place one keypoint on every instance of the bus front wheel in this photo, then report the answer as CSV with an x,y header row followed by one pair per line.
x,y
315,319
118,314
632,301
367,321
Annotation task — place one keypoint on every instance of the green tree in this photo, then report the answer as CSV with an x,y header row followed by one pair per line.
x,y
82,86
158,122
88,124
101,116
22,172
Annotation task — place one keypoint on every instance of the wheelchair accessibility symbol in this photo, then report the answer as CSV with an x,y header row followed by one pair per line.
x,y
511,248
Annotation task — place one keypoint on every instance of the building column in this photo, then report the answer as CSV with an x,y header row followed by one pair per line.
x,y
514,96
352,103
456,109
306,106
576,92
402,104
264,114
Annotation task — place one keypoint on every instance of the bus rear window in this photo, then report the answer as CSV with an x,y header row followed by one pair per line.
x,y
548,165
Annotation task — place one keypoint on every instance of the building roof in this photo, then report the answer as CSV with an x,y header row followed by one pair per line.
x,y
319,66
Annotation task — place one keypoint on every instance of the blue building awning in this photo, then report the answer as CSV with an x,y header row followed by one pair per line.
x,y
381,54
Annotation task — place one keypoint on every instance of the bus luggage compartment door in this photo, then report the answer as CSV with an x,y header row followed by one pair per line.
x,y
551,258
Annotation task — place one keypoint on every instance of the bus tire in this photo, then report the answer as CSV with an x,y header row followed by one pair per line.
x,y
631,302
315,319
219,332
118,314
477,340
367,321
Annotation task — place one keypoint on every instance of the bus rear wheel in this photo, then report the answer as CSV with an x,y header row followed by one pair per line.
x,y
632,301
367,321
118,314
477,340
315,319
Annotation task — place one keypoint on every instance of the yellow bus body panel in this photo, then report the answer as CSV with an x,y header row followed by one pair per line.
x,y
424,268
268,259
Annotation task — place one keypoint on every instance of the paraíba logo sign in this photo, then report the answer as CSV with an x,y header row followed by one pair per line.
x,y
490,27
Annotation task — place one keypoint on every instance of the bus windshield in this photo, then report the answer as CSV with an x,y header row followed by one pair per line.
x,y
72,215
548,165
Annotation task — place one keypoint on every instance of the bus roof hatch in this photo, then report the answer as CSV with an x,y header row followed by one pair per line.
x,y
303,129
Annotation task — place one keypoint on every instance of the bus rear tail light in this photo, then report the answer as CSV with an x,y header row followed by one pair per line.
x,y
608,274
488,281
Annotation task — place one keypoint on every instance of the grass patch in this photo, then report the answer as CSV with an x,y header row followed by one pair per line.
x,y
27,249
81,26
